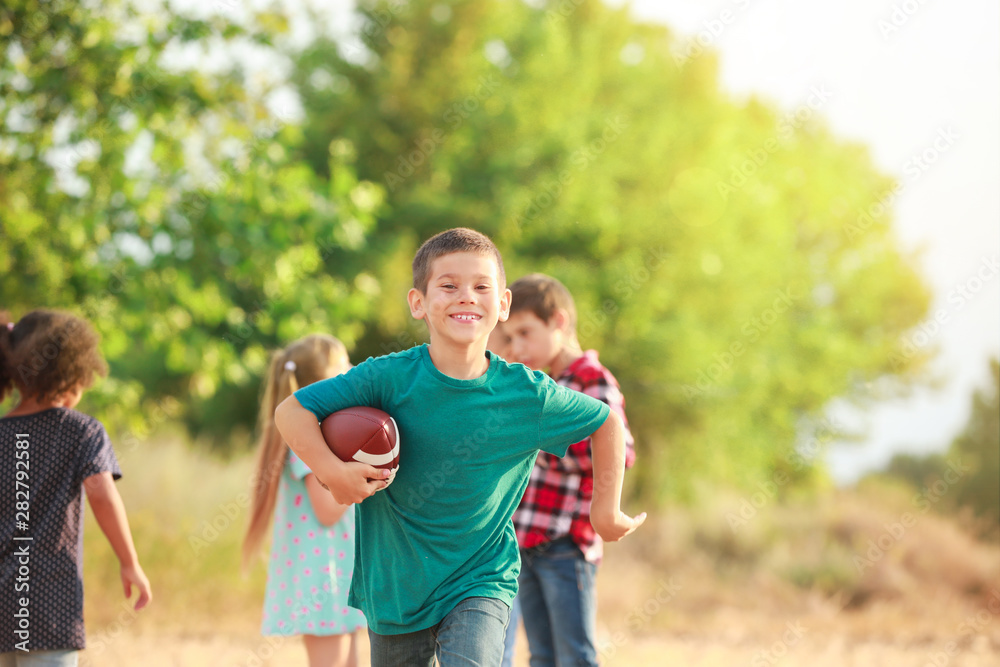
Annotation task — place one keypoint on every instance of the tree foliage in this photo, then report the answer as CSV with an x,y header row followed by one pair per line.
x,y
722,252
731,260
162,204
978,448
968,474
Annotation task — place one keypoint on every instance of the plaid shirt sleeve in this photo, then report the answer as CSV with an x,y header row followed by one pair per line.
x,y
598,383
557,500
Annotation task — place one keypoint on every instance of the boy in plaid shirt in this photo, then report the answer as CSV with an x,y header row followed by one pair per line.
x,y
559,549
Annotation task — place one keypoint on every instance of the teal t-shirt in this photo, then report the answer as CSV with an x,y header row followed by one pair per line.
x,y
441,532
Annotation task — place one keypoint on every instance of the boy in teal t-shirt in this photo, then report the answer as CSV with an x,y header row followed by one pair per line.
x,y
436,556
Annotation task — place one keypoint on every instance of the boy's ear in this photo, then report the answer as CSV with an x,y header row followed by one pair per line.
x,y
416,300
505,306
561,319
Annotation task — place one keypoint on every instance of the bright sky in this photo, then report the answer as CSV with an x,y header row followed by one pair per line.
x,y
911,79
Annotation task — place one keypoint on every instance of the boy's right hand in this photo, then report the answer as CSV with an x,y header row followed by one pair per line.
x,y
353,482
349,482
132,575
614,525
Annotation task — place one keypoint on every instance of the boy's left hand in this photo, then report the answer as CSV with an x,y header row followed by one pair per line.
x,y
615,526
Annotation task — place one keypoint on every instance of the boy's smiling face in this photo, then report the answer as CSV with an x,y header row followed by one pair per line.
x,y
464,300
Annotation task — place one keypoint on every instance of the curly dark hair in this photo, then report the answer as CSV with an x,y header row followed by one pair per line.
x,y
47,353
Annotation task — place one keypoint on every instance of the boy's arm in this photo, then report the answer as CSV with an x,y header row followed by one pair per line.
x,y
348,482
608,444
110,514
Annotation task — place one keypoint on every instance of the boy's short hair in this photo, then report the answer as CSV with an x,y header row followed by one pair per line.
x,y
542,295
459,239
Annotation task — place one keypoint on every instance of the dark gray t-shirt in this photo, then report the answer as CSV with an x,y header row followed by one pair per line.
x,y
41,497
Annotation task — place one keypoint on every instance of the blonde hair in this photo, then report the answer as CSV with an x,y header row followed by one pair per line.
x,y
305,361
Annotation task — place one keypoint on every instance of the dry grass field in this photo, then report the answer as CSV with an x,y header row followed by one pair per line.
x,y
858,577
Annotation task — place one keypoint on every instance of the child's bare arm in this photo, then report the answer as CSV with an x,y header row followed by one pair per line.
x,y
348,482
608,446
328,511
109,510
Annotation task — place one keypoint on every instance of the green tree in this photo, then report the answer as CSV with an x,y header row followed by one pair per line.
x,y
978,448
918,471
970,469
734,262
162,204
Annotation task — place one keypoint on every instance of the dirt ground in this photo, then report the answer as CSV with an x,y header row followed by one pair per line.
x,y
883,636
820,650
932,601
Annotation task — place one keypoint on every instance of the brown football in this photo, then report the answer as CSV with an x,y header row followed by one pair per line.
x,y
363,434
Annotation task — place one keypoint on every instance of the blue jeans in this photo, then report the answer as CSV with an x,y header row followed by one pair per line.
x,y
66,658
470,635
511,637
559,604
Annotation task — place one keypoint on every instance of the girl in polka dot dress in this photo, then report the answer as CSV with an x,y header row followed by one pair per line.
x,y
51,455
312,550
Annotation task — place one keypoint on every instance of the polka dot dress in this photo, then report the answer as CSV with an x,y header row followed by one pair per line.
x,y
310,566
64,448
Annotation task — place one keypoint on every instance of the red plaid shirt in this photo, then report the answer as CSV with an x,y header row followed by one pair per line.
x,y
557,500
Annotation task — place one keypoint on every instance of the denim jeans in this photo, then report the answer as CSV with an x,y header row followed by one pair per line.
x,y
471,635
558,604
67,658
511,637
